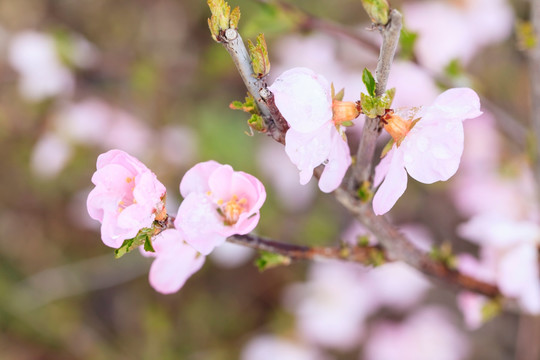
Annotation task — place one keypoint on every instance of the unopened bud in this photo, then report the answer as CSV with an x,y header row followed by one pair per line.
x,y
377,10
396,126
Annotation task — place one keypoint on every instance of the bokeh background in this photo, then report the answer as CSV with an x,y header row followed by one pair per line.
x,y
146,77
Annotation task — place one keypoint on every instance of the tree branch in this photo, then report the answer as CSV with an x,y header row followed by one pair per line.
x,y
398,247
366,149
276,125
366,255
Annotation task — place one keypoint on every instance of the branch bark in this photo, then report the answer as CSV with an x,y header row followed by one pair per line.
x,y
276,125
366,149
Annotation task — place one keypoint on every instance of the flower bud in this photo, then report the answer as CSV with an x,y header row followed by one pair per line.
x,y
396,126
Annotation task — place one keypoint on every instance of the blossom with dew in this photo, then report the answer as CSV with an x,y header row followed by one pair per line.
x,y
315,136
127,197
218,202
175,261
428,147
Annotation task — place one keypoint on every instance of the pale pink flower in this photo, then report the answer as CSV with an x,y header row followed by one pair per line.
x,y
50,155
34,56
430,151
304,99
471,306
218,202
426,335
271,347
175,261
451,30
337,297
509,257
126,197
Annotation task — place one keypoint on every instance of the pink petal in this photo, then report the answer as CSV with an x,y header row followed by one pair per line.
x,y
224,183
393,186
339,160
303,98
384,165
456,104
199,222
174,264
196,178
308,150
432,151
518,270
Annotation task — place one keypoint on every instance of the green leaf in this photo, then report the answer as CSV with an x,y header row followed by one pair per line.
x,y
221,17
369,81
407,41
526,38
234,18
365,193
491,309
269,260
259,57
454,69
148,245
256,122
142,237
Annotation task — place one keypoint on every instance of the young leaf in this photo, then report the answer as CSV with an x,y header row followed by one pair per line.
x,y
259,57
407,40
377,10
369,81
269,260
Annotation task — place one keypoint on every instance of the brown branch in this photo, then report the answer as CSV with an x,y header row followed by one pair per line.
x,y
366,255
366,149
398,247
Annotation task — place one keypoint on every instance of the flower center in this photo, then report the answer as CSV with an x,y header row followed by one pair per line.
x,y
396,126
232,209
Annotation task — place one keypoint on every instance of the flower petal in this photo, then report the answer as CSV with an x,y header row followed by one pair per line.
x,y
339,160
303,98
175,262
393,186
196,178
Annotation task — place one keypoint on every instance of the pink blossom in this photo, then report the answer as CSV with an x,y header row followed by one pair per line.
x,y
426,335
34,56
218,202
304,99
430,151
451,30
126,198
270,347
471,306
509,257
175,261
336,297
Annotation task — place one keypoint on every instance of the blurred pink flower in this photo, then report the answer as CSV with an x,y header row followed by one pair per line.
x,y
451,30
175,261
218,202
426,335
50,155
430,151
471,306
337,297
304,99
270,347
509,257
126,198
34,56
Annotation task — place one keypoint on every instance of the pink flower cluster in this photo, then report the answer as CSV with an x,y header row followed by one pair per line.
x,y
303,98
219,202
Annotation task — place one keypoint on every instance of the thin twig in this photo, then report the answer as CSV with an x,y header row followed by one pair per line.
x,y
366,149
232,41
359,254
